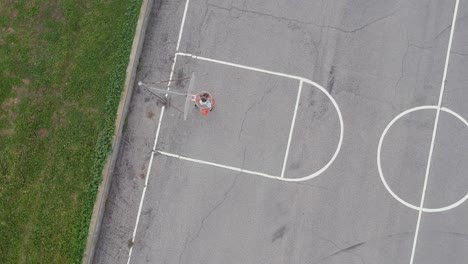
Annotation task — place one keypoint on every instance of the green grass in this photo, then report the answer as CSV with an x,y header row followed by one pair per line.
x,y
62,68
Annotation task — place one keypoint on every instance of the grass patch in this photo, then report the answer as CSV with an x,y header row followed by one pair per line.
x,y
62,68
130,243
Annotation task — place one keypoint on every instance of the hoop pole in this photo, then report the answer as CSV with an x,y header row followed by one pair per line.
x,y
158,90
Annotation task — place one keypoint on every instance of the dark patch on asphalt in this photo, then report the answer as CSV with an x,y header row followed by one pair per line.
x,y
312,97
331,79
279,233
179,79
344,250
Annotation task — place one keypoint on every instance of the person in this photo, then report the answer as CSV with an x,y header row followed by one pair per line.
x,y
205,102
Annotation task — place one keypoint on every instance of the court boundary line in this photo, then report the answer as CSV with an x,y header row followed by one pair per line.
x,y
434,132
156,137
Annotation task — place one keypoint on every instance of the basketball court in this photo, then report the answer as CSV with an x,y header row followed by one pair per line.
x,y
339,135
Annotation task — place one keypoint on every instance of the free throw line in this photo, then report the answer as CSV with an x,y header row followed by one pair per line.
x,y
292,128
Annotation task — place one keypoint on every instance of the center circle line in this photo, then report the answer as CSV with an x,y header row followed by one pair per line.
x,y
379,167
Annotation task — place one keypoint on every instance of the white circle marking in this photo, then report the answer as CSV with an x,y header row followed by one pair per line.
x,y
379,148
320,171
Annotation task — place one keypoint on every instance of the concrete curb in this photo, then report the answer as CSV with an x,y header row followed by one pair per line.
x,y
103,191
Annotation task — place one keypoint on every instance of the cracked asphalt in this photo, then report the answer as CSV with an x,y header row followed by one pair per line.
x,y
376,58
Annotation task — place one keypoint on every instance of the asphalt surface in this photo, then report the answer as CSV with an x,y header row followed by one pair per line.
x,y
377,59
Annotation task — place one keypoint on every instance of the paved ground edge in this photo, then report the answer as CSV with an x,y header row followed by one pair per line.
x,y
103,191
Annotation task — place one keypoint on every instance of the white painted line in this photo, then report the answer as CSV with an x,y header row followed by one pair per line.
x,y
426,177
156,137
143,194
241,66
447,57
293,122
217,165
305,80
429,159
182,24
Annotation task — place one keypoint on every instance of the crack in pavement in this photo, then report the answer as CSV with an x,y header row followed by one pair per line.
x,y
459,53
342,250
289,20
403,59
352,247
408,45
449,26
250,108
226,194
